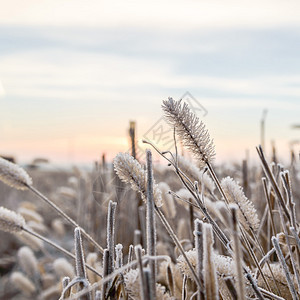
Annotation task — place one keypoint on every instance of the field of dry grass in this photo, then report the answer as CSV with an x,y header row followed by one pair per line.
x,y
184,229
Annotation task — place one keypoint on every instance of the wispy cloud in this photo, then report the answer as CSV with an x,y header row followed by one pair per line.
x,y
101,76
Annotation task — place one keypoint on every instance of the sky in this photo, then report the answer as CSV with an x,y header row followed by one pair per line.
x,y
74,73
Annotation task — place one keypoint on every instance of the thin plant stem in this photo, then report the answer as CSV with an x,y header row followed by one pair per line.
x,y
238,259
65,283
150,223
254,258
105,273
64,215
143,288
271,295
296,236
59,248
286,184
80,269
231,288
199,251
170,280
79,262
294,264
148,281
256,289
272,181
178,244
217,182
111,234
264,181
209,268
285,268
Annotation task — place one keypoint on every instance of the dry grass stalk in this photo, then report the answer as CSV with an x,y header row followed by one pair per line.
x,y
272,180
209,270
111,234
80,263
285,268
150,224
105,273
238,258
119,255
285,178
143,284
199,251
65,282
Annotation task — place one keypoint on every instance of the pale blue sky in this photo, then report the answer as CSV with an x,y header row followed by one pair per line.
x,y
73,73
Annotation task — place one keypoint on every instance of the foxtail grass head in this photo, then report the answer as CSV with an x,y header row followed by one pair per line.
x,y
23,284
28,261
11,221
190,130
247,213
130,171
13,175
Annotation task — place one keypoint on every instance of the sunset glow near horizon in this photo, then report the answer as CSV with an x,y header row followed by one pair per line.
x,y
72,75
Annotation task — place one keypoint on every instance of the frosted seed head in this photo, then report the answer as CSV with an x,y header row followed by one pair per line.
x,y
11,221
190,130
22,283
247,214
130,171
63,268
13,175
28,261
